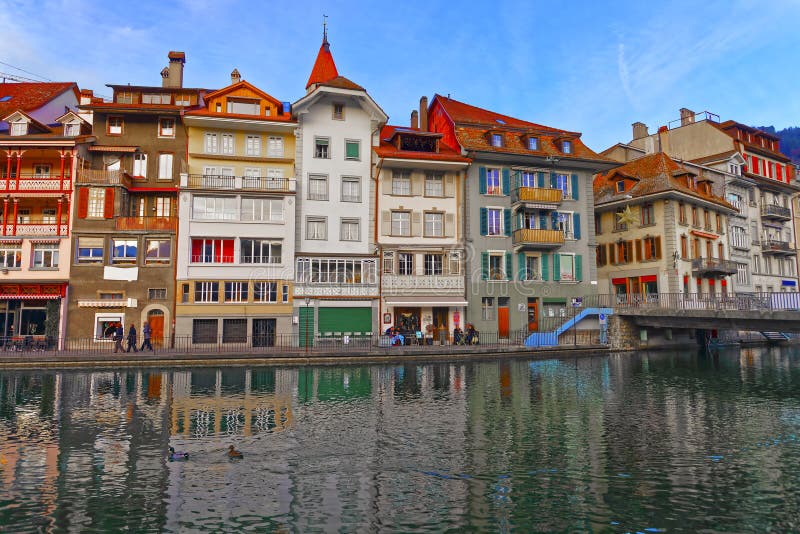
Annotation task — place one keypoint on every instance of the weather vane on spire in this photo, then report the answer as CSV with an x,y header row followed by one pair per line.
x,y
324,28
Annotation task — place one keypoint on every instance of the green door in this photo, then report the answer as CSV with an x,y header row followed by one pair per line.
x,y
306,327
345,320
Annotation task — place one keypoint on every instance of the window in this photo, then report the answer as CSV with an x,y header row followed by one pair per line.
x,y
401,183
401,223
262,209
243,106
562,182
648,215
694,216
19,128
260,251
90,250
228,145
156,98
140,165
115,125
265,291
316,228
651,248
41,171
351,189
684,247
598,227
497,140
165,166
182,100
527,179
158,293
434,184
275,147
166,127
493,182
163,206
349,230
733,168
158,251
209,250
123,250
317,187
497,267
234,330
72,129
105,324
338,271
204,330
285,293
236,291
742,274
206,291
10,255
214,208
682,213
388,262
707,219
455,262
620,186
352,149
405,265
433,264
738,237
567,267
719,223
533,143
532,269
322,147
494,221
45,255
624,252
338,111
487,308
211,144
434,224
566,147
252,145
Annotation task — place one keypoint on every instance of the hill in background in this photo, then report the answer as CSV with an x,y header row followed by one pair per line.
x,y
790,140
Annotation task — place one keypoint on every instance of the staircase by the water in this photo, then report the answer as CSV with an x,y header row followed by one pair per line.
x,y
550,339
775,336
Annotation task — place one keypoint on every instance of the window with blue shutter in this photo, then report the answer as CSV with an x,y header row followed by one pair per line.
x,y
553,181
484,221
545,266
556,267
484,265
542,221
578,267
576,225
506,182
574,187
554,220
482,180
541,179
507,221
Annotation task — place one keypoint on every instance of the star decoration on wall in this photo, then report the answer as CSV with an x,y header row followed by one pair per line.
x,y
626,216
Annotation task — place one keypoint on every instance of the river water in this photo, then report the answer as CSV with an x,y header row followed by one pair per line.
x,y
647,442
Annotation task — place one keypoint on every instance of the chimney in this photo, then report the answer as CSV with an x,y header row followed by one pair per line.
x,y
176,61
423,113
687,116
639,130
86,96
235,76
415,119
663,139
165,77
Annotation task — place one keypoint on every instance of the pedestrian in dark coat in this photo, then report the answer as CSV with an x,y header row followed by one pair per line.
x,y
119,335
147,332
132,339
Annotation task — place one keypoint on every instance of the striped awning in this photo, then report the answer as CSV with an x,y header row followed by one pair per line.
x,y
112,148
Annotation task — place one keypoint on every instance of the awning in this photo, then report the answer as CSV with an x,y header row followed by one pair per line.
x,y
423,302
111,148
103,303
707,235
152,189
29,297
649,278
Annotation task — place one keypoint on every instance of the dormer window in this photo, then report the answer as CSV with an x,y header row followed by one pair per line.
x,y
71,129
566,147
19,128
338,111
734,169
533,143
243,106
620,186
497,140
219,107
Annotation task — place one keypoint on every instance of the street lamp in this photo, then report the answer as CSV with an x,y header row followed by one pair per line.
x,y
308,301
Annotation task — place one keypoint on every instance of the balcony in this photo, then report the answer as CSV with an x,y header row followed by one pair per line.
x,y
423,285
537,239
147,224
713,267
541,197
35,229
779,248
103,177
238,183
335,290
775,212
30,183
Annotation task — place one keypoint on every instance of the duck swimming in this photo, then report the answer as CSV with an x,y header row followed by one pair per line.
x,y
233,453
180,455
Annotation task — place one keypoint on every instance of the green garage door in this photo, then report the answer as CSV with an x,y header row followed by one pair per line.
x,y
345,320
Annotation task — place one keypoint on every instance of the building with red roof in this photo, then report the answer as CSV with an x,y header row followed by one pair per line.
x,y
41,101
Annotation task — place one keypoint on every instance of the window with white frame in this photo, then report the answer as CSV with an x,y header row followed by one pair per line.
x,y
493,186
158,251
265,291
738,237
433,264
211,143
316,228
352,149
285,293
401,223
338,111
401,183
236,291
48,215
140,164
207,208
434,224
405,264
322,147
454,264
494,221
497,140
349,230
351,189
243,106
166,127
317,187
19,128
260,251
275,147
497,266
527,179
156,98
212,250
105,325
163,206
532,268
487,308
567,267
165,166
124,250
71,129
206,291
10,255
434,184
41,171
114,125
388,262
533,143
228,144
742,274
336,271
562,182
262,209
564,223
90,250
566,147
252,146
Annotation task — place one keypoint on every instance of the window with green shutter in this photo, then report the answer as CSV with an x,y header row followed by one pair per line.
x,y
352,149
506,182
574,187
545,267
576,225
507,221
578,267
556,267
484,216
484,265
507,266
482,180
521,270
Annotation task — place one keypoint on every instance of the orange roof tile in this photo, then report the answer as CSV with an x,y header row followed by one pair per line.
x,y
30,96
324,67
388,150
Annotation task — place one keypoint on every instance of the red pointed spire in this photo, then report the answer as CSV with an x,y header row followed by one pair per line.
x,y
324,67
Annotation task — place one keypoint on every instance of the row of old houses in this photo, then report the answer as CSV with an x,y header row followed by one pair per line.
x,y
231,216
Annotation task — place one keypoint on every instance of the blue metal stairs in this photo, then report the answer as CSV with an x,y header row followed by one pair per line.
x,y
775,336
550,339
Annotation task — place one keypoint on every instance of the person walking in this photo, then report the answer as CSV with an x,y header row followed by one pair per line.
x,y
146,334
132,339
119,334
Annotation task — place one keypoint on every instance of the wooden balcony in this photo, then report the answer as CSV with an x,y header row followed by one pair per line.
x,y
537,195
147,224
36,184
537,239
103,177
35,229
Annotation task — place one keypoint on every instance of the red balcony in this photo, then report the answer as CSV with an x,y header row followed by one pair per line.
x,y
35,229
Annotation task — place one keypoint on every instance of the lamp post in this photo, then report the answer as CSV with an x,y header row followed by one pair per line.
x,y
308,301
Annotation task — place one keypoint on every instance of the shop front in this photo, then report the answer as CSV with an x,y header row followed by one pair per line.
x,y
31,313
635,288
429,320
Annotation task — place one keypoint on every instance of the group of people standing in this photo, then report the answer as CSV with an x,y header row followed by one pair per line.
x,y
119,336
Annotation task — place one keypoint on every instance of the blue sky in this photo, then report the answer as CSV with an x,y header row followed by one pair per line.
x,y
587,66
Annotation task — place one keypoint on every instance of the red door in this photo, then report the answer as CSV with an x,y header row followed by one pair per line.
x,y
502,322
156,328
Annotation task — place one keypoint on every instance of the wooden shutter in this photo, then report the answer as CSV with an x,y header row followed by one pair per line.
x,y
553,181
83,202
658,247
484,221
507,266
638,250
484,265
449,224
386,185
556,267
521,266
540,179
612,254
575,187
482,180
506,182
542,221
449,185
578,267
108,209
576,225
417,183
507,221
416,223
545,265
386,222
